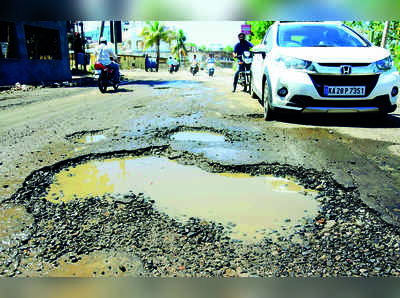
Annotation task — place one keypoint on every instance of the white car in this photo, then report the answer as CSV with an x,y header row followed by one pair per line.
x,y
322,67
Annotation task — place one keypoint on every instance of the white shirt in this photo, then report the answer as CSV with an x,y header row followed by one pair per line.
x,y
103,53
194,61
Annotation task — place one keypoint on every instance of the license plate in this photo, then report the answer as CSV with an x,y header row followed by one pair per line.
x,y
344,90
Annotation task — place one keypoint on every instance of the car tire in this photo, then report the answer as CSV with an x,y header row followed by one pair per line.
x,y
268,113
252,93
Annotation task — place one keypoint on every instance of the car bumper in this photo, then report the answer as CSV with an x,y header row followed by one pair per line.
x,y
303,96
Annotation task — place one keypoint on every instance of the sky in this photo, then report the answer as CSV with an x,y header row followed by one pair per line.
x,y
213,32
200,32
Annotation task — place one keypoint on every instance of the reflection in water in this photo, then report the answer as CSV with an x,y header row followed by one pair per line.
x,y
198,136
87,180
91,139
248,203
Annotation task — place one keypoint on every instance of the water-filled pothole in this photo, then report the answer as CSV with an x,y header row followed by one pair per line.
x,y
198,136
250,206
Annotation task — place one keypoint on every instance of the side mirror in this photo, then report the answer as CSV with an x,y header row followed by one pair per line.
x,y
260,50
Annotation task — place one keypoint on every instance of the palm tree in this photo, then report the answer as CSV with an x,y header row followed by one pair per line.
x,y
180,48
153,34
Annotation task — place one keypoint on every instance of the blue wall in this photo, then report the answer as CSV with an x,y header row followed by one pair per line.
x,y
26,71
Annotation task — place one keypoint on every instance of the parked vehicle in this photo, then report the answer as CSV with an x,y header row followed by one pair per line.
x,y
244,76
322,67
105,77
194,69
150,64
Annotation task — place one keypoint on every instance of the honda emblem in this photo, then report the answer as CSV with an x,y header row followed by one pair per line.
x,y
345,69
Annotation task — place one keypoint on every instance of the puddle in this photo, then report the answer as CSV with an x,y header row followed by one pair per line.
x,y
198,136
91,139
224,154
96,264
250,206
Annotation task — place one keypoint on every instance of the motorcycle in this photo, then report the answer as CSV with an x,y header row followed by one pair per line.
x,y
211,69
173,68
194,69
244,75
105,77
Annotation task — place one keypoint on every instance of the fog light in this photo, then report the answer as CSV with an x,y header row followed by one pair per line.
x,y
283,92
395,91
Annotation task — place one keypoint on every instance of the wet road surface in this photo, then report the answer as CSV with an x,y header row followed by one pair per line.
x,y
217,153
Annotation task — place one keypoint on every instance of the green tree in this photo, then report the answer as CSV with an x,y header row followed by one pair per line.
x,y
258,30
228,50
154,33
179,49
191,45
203,48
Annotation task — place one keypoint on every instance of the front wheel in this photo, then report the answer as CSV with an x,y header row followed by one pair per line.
x,y
247,83
102,83
268,113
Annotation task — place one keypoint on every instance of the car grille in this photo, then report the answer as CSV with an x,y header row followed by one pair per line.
x,y
307,101
369,81
340,64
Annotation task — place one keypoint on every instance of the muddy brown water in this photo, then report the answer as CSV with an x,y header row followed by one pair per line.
x,y
249,206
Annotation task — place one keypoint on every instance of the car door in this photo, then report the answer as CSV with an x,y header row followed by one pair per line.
x,y
268,44
259,60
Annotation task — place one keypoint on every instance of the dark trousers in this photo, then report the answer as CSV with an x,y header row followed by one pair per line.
x,y
241,67
114,66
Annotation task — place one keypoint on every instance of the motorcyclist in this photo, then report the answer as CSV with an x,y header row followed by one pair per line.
x,y
242,46
104,53
210,62
210,59
170,61
195,63
175,64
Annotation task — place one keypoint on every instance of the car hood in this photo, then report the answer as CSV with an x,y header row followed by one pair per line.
x,y
336,54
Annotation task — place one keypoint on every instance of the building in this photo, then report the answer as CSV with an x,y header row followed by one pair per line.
x,y
33,52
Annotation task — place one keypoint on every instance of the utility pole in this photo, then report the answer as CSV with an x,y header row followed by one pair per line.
x,y
115,37
101,30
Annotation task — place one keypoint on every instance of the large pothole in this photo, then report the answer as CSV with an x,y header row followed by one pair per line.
x,y
249,206
165,241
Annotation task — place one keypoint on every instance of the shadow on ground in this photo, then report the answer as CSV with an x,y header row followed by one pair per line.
x,y
344,120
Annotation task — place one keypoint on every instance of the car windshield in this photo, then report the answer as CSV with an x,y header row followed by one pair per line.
x,y
318,35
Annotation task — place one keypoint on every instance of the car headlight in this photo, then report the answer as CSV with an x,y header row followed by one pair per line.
x,y
385,64
293,63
